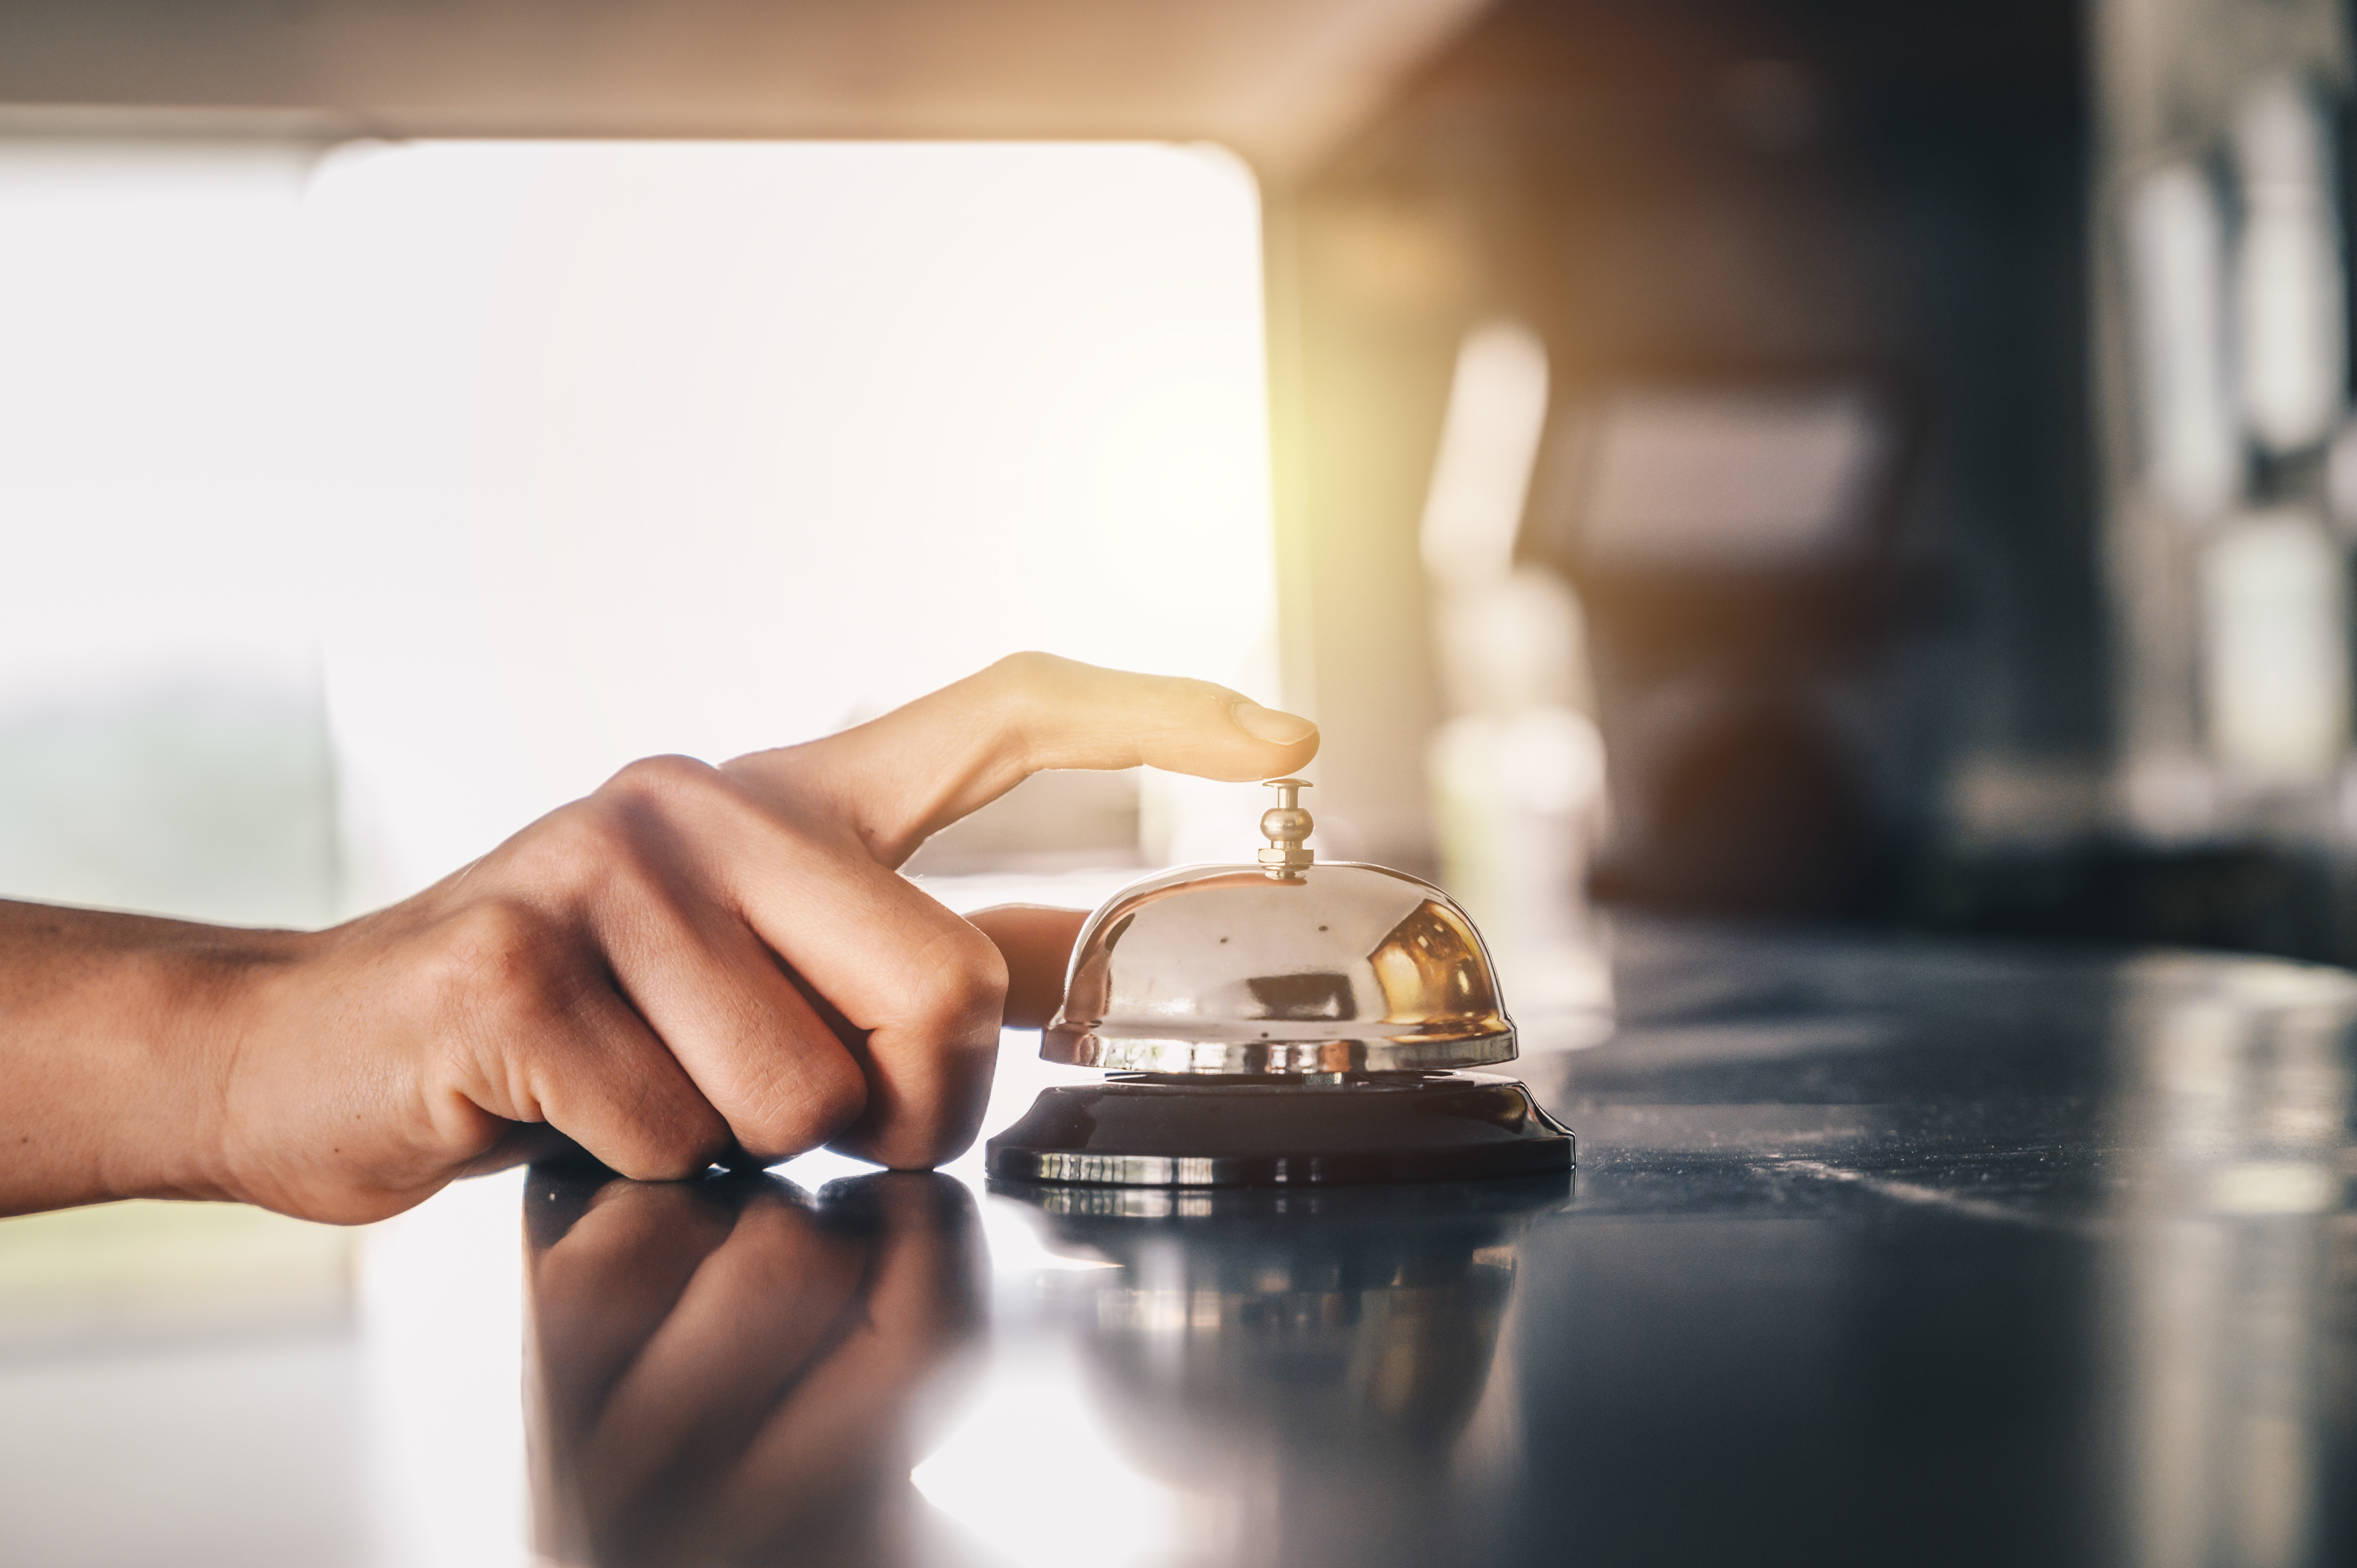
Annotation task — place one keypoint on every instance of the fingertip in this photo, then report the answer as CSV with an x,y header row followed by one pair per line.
x,y
1273,725
1297,756
896,1151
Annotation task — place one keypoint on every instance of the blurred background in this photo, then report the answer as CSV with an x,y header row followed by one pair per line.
x,y
1776,459
1784,459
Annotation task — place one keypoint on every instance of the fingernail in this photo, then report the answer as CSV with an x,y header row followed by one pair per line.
x,y
1269,725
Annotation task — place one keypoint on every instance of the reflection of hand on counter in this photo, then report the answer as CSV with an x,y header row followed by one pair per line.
x,y
691,964
726,1370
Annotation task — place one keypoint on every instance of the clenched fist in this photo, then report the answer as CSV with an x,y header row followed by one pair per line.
x,y
693,964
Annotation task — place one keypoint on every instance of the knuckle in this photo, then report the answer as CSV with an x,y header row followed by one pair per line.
x,y
676,1154
833,1096
653,810
1027,666
656,789
496,987
963,988
660,780
494,948
577,846
1022,679
814,1099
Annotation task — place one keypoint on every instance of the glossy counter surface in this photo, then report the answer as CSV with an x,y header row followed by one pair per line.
x,y
1876,1253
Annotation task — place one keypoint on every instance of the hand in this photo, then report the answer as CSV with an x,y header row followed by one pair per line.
x,y
728,1371
693,964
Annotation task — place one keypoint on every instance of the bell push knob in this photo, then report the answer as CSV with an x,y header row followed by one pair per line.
x,y
1287,825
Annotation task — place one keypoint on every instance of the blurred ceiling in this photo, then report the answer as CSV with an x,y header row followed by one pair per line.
x,y
1282,81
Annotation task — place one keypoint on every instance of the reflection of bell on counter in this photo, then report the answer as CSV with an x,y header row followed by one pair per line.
x,y
1286,1023
1329,1355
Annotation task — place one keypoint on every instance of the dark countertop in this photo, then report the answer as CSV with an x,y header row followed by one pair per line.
x,y
1879,1252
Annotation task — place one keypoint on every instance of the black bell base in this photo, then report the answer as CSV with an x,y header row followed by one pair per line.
x,y
1139,1130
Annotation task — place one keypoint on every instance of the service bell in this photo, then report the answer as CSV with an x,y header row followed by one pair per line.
x,y
1280,1024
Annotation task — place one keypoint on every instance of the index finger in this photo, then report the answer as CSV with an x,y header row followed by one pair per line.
x,y
899,779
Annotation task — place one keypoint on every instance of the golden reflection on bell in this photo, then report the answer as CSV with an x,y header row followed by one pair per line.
x,y
1290,1022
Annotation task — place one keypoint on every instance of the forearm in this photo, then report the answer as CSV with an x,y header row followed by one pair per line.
x,y
117,1033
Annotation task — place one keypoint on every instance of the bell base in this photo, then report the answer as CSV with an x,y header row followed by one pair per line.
x,y
1174,1132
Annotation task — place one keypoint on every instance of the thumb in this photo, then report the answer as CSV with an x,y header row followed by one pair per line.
x,y
1036,943
900,778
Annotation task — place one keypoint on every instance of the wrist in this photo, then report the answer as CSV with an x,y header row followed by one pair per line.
x,y
119,1040
210,995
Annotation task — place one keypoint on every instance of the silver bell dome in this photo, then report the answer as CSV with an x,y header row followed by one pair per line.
x,y
1287,968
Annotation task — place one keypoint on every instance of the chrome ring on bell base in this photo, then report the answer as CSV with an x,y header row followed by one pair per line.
x,y
1086,1048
